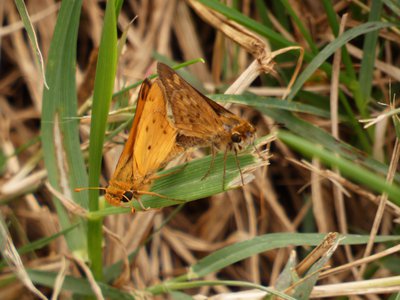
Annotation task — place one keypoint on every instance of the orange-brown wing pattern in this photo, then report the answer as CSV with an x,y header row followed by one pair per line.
x,y
199,120
191,112
122,179
123,170
151,144
155,141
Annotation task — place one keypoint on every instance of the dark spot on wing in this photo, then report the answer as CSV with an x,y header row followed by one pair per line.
x,y
147,128
154,120
164,131
149,147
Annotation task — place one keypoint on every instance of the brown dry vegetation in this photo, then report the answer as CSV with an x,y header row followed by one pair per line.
x,y
287,196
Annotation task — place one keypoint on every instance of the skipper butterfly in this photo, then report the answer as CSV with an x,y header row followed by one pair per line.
x,y
200,122
150,145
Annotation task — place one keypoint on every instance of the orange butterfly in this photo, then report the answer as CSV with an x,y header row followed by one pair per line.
x,y
199,121
150,145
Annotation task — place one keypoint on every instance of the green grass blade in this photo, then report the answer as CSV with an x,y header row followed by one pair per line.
x,y
306,35
78,286
330,49
394,6
173,286
242,250
32,37
259,102
60,136
333,22
318,136
347,168
187,184
103,89
368,59
40,243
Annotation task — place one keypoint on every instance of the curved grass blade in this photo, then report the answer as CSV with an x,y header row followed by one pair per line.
x,y
322,56
23,12
346,167
59,126
242,250
318,136
78,286
187,185
269,102
368,59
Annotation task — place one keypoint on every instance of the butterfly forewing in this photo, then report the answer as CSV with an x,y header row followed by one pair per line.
x,y
124,169
155,141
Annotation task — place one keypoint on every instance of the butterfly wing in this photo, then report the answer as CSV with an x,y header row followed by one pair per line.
x,y
155,140
124,171
194,115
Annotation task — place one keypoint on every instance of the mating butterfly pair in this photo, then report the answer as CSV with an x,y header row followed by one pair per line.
x,y
172,116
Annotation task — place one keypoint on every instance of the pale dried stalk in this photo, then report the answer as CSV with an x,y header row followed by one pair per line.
x,y
361,261
382,203
125,274
252,43
60,279
319,205
11,256
334,99
69,204
92,281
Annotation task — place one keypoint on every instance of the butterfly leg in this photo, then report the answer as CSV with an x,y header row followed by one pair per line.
x,y
238,166
141,203
159,195
224,173
213,154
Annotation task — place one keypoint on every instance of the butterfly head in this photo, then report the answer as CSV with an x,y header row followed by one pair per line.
x,y
115,195
242,136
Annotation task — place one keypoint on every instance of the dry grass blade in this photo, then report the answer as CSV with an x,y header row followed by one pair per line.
x,y
10,254
361,261
252,43
125,274
93,284
317,253
382,202
70,205
60,279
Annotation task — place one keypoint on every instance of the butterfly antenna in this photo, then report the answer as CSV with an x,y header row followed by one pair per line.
x,y
238,166
89,188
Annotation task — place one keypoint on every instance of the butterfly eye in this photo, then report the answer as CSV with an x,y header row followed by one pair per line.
x,y
236,138
127,195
